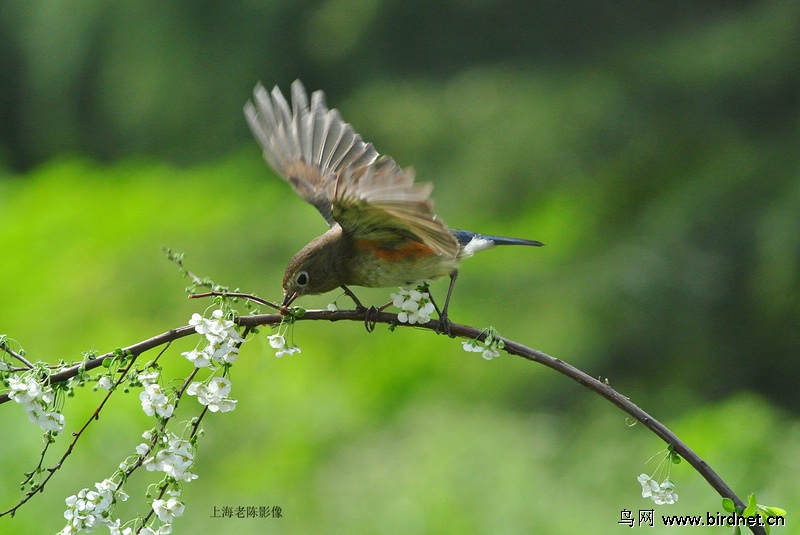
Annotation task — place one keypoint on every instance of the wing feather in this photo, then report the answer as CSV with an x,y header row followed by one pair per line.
x,y
330,166
381,202
308,146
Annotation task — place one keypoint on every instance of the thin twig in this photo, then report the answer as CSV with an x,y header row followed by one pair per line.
x,y
135,350
19,357
76,436
456,330
236,295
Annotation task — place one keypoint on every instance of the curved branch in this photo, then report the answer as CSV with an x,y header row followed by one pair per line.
x,y
372,316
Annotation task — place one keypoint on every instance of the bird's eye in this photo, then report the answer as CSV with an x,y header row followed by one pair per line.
x,y
302,278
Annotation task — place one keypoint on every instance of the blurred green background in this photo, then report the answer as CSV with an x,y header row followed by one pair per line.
x,y
652,146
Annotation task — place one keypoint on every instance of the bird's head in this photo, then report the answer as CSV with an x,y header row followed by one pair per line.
x,y
319,267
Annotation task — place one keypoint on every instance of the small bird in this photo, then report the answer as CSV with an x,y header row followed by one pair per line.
x,y
383,231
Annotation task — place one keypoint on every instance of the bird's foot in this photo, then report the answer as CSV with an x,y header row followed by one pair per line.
x,y
444,325
370,318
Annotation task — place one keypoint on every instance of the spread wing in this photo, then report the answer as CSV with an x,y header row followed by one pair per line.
x,y
381,202
330,166
307,146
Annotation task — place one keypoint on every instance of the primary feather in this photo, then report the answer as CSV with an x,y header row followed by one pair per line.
x,y
330,166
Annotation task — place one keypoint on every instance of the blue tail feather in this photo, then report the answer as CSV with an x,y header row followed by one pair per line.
x,y
465,236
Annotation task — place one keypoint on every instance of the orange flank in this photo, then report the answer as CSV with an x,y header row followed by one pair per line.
x,y
411,249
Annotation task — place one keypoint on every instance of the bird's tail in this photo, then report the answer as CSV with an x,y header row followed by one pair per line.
x,y
465,236
472,242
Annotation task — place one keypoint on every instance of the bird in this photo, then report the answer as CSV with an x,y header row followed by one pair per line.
x,y
382,228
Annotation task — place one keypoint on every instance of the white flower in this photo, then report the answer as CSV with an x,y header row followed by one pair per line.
x,y
209,328
216,329
168,509
197,321
291,350
649,485
155,401
105,383
35,399
663,494
226,353
25,391
233,335
488,348
332,307
399,298
108,487
49,421
489,353
214,395
668,495
148,378
200,359
276,341
415,306
174,460
89,509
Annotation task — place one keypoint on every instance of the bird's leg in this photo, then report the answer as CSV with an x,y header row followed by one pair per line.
x,y
369,313
351,295
444,320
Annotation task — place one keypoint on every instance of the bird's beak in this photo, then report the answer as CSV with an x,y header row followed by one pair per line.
x,y
288,299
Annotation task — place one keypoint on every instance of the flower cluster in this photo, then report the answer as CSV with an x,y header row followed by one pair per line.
x,y
170,508
36,399
661,494
162,451
223,340
278,341
214,395
89,508
174,457
222,350
488,348
154,400
416,306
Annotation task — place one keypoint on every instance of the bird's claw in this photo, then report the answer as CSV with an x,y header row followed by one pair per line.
x,y
444,326
370,317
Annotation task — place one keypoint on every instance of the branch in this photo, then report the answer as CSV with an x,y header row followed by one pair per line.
x,y
76,436
4,347
514,348
95,362
372,316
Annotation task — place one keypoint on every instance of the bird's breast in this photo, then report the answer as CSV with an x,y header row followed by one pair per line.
x,y
379,265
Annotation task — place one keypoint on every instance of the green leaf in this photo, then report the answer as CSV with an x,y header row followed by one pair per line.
x,y
750,510
772,511
728,505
